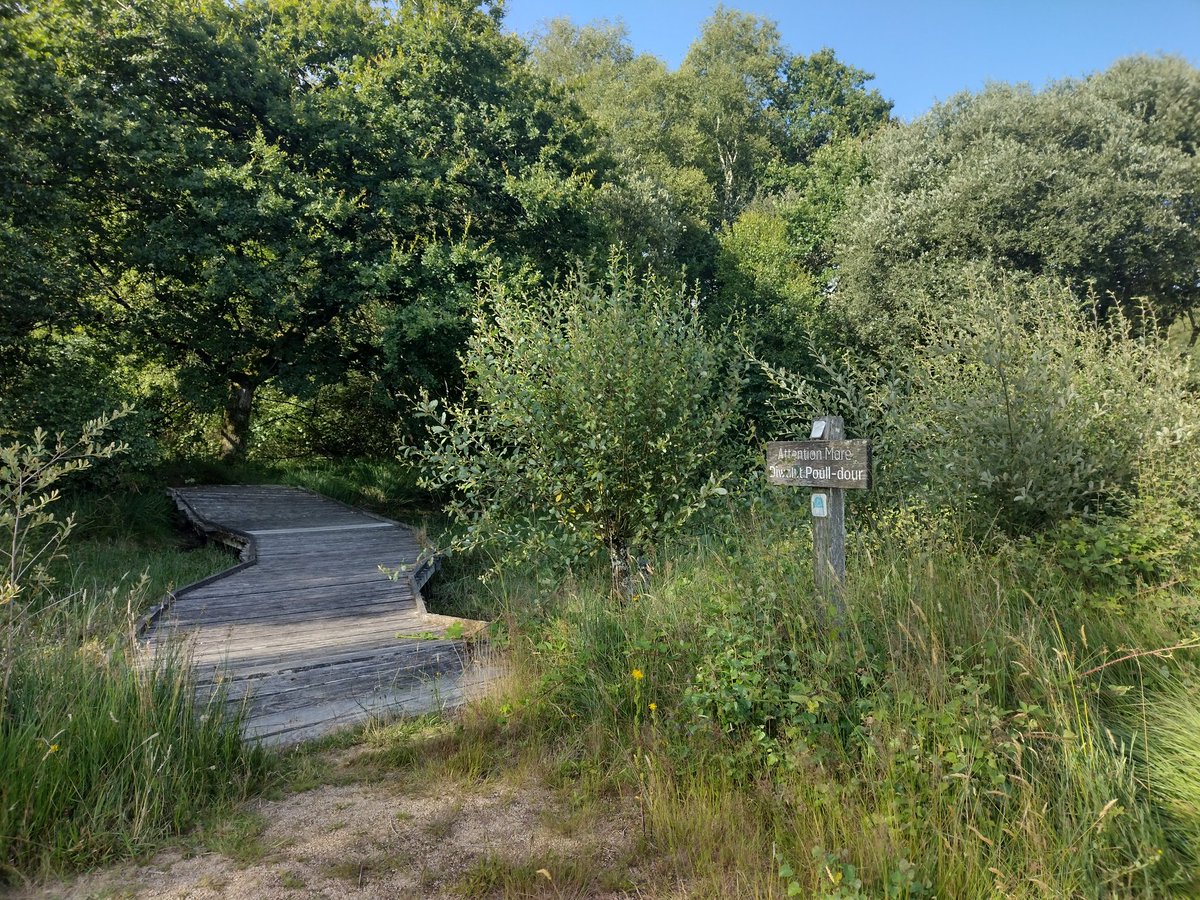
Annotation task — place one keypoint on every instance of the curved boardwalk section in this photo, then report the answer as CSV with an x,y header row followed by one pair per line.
x,y
308,630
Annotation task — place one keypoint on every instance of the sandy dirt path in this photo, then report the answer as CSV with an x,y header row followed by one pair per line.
x,y
391,838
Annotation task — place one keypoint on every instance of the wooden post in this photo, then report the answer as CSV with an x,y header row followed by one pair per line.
x,y
829,531
829,464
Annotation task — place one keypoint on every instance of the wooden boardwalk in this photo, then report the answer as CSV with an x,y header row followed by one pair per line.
x,y
307,629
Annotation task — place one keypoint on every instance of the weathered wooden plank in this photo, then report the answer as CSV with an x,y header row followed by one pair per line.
x,y
232,644
299,600
438,693
210,644
305,632
299,597
279,693
401,607
276,693
233,616
404,654
313,529
377,540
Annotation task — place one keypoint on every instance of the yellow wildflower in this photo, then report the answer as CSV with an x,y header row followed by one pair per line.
x,y
637,674
653,707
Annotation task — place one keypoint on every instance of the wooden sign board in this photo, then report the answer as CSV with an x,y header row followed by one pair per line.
x,y
828,464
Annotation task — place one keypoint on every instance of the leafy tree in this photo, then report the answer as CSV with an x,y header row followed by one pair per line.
x,y
43,274
826,102
593,420
735,166
761,111
1094,182
269,186
734,76
774,269
740,119
659,204
1164,94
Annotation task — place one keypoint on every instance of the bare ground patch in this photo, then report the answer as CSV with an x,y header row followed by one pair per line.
x,y
394,836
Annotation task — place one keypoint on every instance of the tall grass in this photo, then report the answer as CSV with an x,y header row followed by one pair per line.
x,y
103,752
103,749
967,731
127,548
103,757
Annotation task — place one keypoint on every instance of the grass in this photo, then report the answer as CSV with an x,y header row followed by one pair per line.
x,y
103,756
968,731
130,548
103,759
547,875
368,868
292,881
481,743
236,835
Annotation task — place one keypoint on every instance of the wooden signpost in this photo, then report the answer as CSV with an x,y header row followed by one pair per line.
x,y
830,465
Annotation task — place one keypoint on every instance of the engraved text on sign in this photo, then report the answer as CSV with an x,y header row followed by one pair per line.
x,y
835,464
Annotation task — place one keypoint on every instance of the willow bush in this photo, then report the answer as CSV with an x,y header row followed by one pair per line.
x,y
1021,406
594,420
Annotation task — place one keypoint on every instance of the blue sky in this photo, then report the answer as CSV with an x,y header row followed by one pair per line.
x,y
919,52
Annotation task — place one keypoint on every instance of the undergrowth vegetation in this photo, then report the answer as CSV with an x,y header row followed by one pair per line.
x,y
103,758
1003,710
1020,407
104,754
979,725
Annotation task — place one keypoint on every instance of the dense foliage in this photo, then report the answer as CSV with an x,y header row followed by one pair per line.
x,y
978,728
595,416
1018,411
255,192
1090,182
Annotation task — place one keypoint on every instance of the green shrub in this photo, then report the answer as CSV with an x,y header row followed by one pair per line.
x,y
1114,555
31,534
594,419
1036,413
351,419
1019,409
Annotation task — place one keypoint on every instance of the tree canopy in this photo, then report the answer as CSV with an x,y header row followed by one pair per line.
x,y
1091,182
284,198
737,122
256,189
